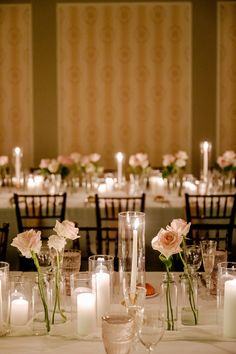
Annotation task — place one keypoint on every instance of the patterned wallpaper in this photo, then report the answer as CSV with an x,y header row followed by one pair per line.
x,y
226,76
124,78
16,80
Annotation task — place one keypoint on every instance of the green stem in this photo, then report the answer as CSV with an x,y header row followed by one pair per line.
x,y
41,290
57,302
170,315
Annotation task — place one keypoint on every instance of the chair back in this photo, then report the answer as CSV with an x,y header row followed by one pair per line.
x,y
4,231
39,211
212,217
107,210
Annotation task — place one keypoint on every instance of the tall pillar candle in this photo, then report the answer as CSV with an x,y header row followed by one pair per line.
x,y
17,155
19,312
134,263
119,158
102,294
205,149
229,321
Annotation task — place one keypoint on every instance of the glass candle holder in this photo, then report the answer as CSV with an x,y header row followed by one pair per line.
x,y
102,268
83,304
20,302
4,298
226,298
205,149
131,250
71,264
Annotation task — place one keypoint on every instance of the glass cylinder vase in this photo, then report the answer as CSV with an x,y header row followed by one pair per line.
x,y
4,298
131,249
40,301
189,299
169,301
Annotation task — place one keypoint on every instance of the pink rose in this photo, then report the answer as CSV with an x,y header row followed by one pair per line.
x,y
53,166
27,242
3,160
168,159
65,160
66,229
167,242
180,163
57,242
94,157
179,226
44,163
222,162
181,155
75,156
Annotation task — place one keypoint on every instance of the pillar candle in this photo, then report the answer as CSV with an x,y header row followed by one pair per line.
x,y
17,154
229,322
134,263
119,158
103,294
86,313
1,309
19,312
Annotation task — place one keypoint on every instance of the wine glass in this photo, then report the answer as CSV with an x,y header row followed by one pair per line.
x,y
193,258
150,328
208,249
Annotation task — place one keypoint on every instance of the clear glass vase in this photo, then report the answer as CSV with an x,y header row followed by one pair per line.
x,y
169,301
40,301
189,299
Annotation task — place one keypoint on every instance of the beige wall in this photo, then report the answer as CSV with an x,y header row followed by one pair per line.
x,y
203,119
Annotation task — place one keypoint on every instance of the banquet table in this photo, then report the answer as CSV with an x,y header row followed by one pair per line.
x,y
158,214
205,338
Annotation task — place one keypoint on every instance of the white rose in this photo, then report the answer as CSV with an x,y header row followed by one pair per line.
x,y
168,159
180,163
66,229
3,160
181,155
94,157
53,166
56,242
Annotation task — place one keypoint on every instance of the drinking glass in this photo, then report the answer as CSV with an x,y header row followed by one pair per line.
x,y
117,333
193,258
150,328
208,249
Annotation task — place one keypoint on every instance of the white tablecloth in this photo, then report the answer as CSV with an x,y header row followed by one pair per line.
x,y
204,338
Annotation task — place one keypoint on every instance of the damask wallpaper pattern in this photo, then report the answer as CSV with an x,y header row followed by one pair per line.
x,y
124,78
16,80
226,76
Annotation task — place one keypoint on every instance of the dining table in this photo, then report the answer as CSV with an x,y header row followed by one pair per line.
x,y
80,208
205,337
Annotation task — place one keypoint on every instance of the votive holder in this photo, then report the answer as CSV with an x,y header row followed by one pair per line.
x,y
226,298
83,304
4,298
102,268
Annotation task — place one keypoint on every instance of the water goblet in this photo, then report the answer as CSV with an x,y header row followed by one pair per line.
x,y
208,248
193,258
117,333
150,328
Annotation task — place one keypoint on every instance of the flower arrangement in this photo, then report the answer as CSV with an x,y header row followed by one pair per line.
x,y
65,230
4,161
226,162
29,244
89,164
62,166
174,164
168,242
138,163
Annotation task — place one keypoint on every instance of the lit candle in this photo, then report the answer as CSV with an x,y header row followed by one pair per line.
x,y
86,313
30,183
102,293
205,147
19,312
17,155
229,322
119,158
134,258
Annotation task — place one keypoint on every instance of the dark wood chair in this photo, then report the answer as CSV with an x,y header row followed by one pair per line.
x,y
39,212
212,217
87,243
4,231
107,210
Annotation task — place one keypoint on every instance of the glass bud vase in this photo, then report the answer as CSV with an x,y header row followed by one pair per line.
x,y
40,301
189,299
169,301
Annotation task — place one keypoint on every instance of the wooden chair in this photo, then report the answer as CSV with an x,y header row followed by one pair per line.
x,y
107,210
211,217
39,212
87,243
4,231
